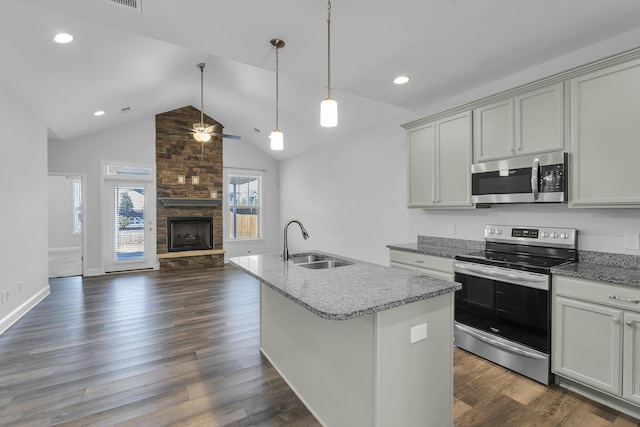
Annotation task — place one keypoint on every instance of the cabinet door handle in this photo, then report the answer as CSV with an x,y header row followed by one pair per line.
x,y
419,261
628,323
615,320
633,300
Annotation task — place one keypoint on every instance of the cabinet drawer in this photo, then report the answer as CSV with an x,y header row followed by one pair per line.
x,y
599,292
422,261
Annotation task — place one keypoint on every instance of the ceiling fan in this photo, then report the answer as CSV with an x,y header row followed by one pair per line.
x,y
202,132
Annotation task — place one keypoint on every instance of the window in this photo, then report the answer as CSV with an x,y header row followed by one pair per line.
x,y
245,204
77,205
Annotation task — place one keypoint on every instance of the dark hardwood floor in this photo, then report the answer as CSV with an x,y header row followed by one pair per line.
x,y
156,349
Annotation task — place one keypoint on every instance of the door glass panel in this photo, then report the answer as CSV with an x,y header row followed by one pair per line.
x,y
129,243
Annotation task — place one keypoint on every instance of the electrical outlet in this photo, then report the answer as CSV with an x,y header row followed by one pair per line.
x,y
451,229
632,241
20,287
418,333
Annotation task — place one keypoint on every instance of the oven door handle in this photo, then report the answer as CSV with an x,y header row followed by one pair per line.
x,y
499,344
493,274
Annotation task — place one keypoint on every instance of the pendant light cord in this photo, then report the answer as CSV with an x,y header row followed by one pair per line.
x,y
201,95
277,86
329,49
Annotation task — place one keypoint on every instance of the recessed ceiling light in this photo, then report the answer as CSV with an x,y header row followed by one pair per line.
x,y
400,80
98,113
63,38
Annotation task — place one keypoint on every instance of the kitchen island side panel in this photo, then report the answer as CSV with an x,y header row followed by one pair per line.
x,y
329,364
364,371
415,381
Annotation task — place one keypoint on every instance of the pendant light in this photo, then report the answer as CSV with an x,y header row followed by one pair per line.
x,y
329,107
277,138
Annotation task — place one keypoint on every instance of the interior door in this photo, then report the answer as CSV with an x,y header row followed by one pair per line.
x,y
130,231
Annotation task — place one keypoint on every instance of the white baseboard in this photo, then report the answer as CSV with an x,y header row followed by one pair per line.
x,y
23,309
94,272
68,249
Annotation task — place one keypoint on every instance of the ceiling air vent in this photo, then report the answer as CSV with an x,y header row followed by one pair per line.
x,y
133,5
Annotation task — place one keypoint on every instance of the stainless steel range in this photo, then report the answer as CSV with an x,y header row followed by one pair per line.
x,y
502,312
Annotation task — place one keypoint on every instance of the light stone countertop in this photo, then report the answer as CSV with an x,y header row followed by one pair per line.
x,y
440,246
346,292
601,272
433,250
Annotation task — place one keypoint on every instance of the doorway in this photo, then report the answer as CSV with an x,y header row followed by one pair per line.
x,y
128,218
66,221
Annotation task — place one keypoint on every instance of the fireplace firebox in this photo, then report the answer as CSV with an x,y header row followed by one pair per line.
x,y
189,233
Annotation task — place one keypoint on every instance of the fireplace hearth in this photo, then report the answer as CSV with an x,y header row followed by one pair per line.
x,y
189,234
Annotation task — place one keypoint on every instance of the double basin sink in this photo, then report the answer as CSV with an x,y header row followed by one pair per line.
x,y
317,261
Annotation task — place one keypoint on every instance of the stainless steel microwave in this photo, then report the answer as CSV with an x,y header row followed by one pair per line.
x,y
530,179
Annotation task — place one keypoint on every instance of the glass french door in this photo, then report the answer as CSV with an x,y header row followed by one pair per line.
x,y
130,229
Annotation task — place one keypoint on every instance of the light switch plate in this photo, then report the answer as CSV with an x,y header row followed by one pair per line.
x,y
632,241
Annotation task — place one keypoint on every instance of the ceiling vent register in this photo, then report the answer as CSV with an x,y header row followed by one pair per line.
x,y
133,5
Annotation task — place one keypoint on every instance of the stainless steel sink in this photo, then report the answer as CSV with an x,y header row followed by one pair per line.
x,y
311,257
316,261
317,265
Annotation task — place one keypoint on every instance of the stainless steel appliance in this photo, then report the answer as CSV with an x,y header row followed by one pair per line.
x,y
502,312
531,179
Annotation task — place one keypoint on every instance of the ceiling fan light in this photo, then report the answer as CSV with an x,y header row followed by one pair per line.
x,y
277,140
329,113
202,136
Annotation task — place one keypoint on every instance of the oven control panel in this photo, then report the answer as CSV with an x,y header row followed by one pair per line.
x,y
537,236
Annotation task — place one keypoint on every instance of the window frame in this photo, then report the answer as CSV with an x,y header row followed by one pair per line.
x,y
76,207
259,175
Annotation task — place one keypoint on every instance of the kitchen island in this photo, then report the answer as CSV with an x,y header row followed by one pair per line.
x,y
360,344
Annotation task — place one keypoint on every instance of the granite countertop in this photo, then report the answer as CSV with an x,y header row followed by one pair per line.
x,y
602,272
440,246
346,292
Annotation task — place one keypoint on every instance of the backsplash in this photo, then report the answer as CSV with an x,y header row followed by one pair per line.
x,y
468,245
610,259
602,258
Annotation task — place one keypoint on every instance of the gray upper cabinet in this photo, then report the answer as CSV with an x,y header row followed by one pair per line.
x,y
493,136
529,123
440,163
605,137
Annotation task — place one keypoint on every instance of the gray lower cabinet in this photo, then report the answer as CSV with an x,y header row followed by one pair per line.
x,y
433,266
596,341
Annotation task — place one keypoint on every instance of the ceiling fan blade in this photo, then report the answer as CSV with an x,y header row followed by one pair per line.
x,y
224,135
185,128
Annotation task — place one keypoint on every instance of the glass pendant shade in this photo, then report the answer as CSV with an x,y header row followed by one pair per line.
x,y
277,140
328,113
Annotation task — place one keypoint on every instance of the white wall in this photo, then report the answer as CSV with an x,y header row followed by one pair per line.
x,y
351,195
61,213
132,143
241,155
23,253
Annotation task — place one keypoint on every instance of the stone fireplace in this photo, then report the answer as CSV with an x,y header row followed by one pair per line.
x,y
186,178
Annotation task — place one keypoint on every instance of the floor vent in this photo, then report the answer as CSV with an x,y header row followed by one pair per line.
x,y
126,4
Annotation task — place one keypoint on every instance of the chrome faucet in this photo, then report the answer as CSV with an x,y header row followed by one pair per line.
x,y
285,250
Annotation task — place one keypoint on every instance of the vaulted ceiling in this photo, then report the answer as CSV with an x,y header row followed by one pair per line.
x,y
133,65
